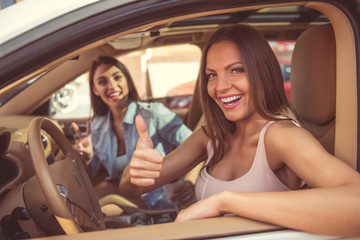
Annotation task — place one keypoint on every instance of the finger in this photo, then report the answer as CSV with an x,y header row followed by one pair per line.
x,y
181,187
142,155
142,181
141,173
182,196
88,131
187,195
144,136
146,165
76,130
184,192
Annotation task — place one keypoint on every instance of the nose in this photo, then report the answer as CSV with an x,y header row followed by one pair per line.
x,y
112,83
223,83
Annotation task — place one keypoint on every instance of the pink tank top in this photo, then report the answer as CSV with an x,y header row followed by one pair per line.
x,y
260,178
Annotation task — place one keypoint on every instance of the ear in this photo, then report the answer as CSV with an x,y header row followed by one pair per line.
x,y
95,91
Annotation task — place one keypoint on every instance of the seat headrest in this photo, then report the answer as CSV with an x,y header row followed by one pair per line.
x,y
313,75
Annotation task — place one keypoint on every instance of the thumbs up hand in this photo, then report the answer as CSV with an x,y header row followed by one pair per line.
x,y
146,162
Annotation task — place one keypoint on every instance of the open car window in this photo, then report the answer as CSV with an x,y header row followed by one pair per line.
x,y
165,74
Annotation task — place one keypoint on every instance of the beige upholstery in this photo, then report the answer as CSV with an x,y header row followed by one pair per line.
x,y
313,82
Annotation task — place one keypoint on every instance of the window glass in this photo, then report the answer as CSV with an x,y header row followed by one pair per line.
x,y
162,72
283,51
73,100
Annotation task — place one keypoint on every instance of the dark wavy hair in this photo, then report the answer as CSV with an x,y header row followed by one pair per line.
x,y
99,107
265,79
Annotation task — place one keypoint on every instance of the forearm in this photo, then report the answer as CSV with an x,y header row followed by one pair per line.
x,y
331,211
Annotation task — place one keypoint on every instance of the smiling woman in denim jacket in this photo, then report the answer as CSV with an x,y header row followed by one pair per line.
x,y
113,136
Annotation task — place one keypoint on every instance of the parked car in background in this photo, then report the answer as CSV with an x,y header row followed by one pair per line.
x,y
46,48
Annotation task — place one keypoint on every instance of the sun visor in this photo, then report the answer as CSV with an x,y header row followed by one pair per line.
x,y
129,41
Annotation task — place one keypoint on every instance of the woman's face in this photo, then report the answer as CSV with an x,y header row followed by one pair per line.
x,y
111,85
228,84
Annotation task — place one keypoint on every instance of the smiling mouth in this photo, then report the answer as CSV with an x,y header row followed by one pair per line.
x,y
231,102
115,95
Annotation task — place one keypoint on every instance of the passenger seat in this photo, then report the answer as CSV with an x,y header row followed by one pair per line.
x,y
313,77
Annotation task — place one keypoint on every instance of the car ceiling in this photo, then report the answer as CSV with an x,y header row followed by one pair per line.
x,y
285,16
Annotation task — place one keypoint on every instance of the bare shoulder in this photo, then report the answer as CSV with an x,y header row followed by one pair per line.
x,y
294,146
285,138
286,128
284,124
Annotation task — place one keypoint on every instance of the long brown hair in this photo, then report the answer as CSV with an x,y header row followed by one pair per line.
x,y
265,79
100,108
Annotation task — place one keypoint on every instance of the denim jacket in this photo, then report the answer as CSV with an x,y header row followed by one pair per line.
x,y
164,127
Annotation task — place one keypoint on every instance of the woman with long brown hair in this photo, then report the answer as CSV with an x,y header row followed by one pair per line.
x,y
258,155
113,136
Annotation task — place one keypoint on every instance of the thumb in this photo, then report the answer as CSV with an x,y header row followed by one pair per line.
x,y
88,130
76,130
144,136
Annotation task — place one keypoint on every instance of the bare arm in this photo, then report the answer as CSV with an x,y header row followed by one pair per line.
x,y
330,207
148,169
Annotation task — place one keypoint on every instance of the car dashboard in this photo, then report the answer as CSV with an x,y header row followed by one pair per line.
x,y
15,155
16,168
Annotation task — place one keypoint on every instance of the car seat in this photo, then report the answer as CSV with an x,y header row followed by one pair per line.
x,y
313,75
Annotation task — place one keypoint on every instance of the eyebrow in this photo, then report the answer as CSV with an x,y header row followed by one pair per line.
x,y
226,67
100,78
114,74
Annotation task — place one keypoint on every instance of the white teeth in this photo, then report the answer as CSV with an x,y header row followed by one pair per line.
x,y
114,94
230,99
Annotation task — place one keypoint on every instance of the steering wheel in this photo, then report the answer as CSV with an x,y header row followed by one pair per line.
x,y
71,196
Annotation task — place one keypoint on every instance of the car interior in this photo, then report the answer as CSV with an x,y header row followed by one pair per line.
x,y
322,80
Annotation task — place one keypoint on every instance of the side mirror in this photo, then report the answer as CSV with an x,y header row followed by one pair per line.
x,y
65,100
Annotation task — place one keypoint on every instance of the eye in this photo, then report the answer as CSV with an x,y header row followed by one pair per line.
x,y
118,77
102,81
210,76
237,70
